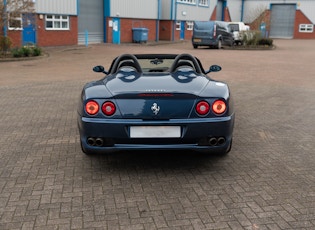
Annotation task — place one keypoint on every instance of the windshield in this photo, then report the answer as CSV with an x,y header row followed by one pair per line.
x,y
155,65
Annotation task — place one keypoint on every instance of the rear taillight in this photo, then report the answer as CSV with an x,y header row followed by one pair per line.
x,y
214,31
92,107
202,107
108,108
219,107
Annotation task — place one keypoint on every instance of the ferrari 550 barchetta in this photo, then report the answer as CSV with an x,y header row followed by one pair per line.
x,y
156,102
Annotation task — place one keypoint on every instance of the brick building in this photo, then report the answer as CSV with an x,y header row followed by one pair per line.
x,y
74,22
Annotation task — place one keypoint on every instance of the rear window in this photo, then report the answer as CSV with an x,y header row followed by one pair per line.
x,y
203,25
235,27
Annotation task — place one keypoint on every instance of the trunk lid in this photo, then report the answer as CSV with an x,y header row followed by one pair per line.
x,y
160,96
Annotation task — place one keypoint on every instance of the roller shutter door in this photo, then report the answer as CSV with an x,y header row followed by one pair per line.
x,y
282,20
91,19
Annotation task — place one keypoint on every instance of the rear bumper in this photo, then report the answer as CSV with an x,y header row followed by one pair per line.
x,y
204,42
113,135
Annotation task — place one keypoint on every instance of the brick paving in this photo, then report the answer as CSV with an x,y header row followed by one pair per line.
x,y
266,182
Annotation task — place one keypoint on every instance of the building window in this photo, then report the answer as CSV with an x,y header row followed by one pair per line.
x,y
178,25
190,25
203,2
15,21
187,1
57,22
306,28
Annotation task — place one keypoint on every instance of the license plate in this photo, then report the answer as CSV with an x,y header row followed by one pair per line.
x,y
155,131
197,40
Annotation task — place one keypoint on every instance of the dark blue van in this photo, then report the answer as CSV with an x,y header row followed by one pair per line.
x,y
212,33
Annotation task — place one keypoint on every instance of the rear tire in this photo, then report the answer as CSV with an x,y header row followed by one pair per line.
x,y
195,46
219,46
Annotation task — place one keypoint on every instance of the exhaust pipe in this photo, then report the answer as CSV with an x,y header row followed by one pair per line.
x,y
99,142
221,140
91,141
213,141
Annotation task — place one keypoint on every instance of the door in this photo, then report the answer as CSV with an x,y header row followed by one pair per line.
x,y
116,31
29,29
182,30
282,20
90,21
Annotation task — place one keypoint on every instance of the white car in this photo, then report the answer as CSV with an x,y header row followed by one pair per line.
x,y
236,28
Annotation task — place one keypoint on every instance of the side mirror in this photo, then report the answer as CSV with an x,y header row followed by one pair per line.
x,y
214,68
99,69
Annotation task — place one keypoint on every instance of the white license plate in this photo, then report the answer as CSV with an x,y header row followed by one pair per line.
x,y
154,131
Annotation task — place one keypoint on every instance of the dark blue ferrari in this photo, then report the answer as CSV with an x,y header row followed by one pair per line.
x,y
156,102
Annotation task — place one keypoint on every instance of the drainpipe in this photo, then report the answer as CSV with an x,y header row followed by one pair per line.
x,y
242,10
5,21
175,19
158,21
105,19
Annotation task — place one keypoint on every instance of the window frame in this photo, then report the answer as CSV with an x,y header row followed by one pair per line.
x,y
203,3
17,18
55,19
190,25
190,2
306,28
178,25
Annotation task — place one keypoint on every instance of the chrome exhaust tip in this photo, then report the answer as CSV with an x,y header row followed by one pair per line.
x,y
213,141
221,141
99,142
91,141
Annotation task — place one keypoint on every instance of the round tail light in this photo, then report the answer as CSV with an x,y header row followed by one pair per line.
x,y
92,107
202,107
219,107
108,108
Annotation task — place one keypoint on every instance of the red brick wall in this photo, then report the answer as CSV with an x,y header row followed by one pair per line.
x,y
16,37
300,18
263,17
176,34
57,37
165,32
214,14
227,16
126,25
109,32
188,34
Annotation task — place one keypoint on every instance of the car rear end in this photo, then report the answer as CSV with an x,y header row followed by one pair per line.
x,y
204,34
156,120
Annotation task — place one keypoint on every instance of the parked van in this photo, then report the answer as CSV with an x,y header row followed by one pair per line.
x,y
212,34
236,28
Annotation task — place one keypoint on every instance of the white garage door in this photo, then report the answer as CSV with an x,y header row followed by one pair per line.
x,y
282,20
90,19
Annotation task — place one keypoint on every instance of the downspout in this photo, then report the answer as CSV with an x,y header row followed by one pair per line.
x,y
242,10
106,15
5,21
158,21
172,18
175,19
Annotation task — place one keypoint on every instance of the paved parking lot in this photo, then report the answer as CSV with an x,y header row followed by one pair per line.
x,y
266,182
